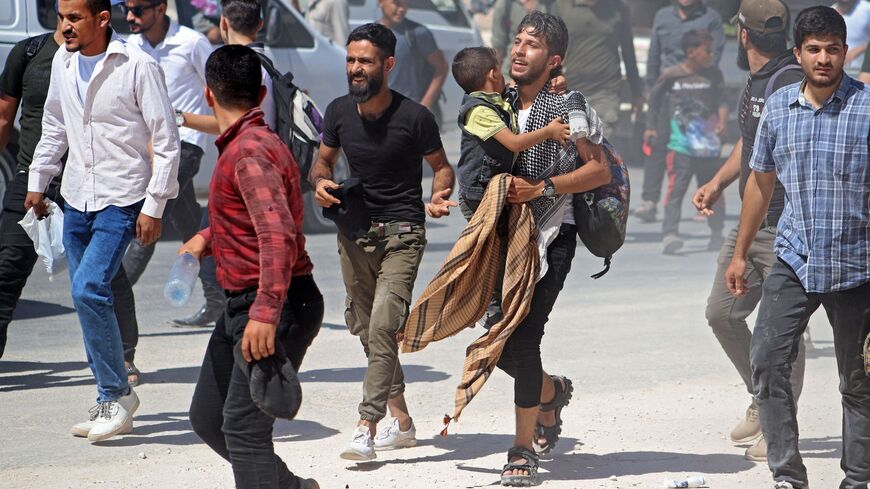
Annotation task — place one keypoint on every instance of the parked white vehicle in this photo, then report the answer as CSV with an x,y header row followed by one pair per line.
x,y
316,63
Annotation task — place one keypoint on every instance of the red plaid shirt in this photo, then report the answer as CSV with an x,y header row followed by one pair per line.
x,y
255,213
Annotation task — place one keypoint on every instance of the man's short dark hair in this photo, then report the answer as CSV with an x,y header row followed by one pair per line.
x,y
471,65
818,22
244,16
549,27
695,39
97,6
382,37
233,74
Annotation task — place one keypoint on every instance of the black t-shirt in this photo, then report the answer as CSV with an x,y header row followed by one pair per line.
x,y
750,113
28,82
385,154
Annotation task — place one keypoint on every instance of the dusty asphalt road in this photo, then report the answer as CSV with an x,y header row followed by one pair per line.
x,y
655,396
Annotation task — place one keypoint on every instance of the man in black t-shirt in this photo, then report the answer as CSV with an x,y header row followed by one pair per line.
x,y
762,50
24,81
386,137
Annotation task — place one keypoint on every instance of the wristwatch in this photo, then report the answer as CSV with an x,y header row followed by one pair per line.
x,y
179,118
549,189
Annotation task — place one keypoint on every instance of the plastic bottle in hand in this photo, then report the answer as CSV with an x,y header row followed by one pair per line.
x,y
181,278
694,481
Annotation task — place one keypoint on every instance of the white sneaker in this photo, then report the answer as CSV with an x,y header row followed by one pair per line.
x,y
113,416
361,447
391,436
84,428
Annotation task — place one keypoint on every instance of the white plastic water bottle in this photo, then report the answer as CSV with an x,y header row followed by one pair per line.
x,y
183,274
694,481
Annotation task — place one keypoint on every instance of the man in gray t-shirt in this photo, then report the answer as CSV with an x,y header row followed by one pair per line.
x,y
420,68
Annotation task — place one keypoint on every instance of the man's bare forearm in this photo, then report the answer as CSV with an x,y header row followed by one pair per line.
x,y
730,170
443,179
202,123
8,110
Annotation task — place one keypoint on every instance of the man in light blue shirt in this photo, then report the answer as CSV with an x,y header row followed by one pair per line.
x,y
813,137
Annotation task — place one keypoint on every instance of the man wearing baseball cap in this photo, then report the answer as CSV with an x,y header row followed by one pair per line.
x,y
762,49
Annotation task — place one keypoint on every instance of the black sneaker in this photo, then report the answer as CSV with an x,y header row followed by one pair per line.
x,y
204,318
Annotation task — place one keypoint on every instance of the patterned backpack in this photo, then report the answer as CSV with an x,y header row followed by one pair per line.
x,y
601,214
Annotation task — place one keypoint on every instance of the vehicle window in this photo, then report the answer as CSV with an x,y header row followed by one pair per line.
x,y
119,20
46,13
427,12
7,14
283,29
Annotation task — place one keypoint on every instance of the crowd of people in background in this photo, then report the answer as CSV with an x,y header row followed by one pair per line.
x,y
802,161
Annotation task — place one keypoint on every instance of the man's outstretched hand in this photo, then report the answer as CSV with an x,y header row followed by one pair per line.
x,y
438,205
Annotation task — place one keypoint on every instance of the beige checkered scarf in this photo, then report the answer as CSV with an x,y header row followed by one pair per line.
x,y
461,290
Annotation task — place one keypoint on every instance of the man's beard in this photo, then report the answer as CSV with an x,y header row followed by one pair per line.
x,y
830,82
364,92
530,76
742,57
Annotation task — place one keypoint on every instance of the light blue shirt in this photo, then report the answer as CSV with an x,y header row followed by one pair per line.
x,y
821,157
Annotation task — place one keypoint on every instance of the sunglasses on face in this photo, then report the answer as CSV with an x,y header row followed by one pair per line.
x,y
138,10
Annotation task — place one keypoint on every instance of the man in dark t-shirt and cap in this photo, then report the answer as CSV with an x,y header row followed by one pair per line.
x,y
385,136
762,50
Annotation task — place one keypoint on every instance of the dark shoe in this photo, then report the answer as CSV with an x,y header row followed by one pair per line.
x,y
564,391
204,318
134,376
529,464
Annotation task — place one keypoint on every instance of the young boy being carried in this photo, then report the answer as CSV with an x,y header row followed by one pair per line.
x,y
490,136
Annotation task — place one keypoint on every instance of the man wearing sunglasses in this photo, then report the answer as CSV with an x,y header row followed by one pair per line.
x,y
181,53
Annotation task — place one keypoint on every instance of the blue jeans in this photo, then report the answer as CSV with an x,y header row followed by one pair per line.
x,y
95,243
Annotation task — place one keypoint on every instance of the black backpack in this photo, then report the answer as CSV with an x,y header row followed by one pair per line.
x,y
299,123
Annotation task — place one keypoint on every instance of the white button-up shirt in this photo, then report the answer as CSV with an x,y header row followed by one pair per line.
x,y
109,135
182,55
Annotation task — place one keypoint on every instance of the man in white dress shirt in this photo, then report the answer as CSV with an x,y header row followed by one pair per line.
x,y
182,53
108,105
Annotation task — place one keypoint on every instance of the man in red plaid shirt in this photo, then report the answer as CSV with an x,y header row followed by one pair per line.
x,y
255,235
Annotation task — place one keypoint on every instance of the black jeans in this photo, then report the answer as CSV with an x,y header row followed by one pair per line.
x,y
183,212
785,310
17,258
222,412
521,358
